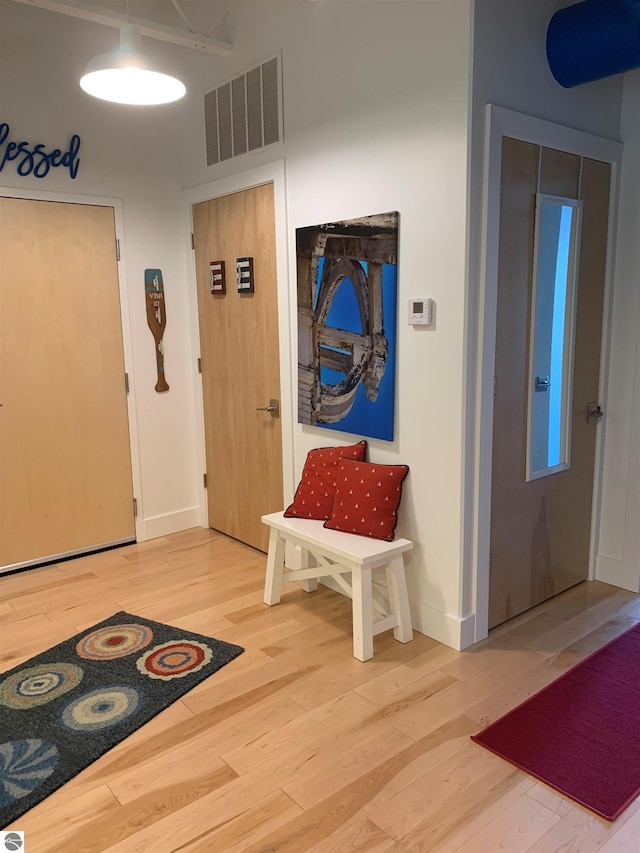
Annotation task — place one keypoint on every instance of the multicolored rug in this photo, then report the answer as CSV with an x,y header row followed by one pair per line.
x,y
64,708
581,734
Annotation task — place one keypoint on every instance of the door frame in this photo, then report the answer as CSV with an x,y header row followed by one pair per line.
x,y
125,320
271,173
501,122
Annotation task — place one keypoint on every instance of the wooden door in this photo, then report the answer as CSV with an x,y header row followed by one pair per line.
x,y
540,530
240,364
65,457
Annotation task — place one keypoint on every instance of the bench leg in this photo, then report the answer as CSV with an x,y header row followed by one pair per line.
x,y
307,561
275,566
399,600
362,614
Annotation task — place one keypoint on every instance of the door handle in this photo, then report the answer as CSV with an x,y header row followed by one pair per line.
x,y
594,413
273,408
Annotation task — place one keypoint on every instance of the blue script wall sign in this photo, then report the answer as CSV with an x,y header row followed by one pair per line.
x,y
35,159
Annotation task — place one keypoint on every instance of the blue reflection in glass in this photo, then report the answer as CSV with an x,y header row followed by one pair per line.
x,y
558,336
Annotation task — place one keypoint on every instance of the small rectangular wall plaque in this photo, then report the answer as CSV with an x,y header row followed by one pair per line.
x,y
244,269
217,277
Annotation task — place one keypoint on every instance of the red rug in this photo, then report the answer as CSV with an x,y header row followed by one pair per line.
x,y
581,734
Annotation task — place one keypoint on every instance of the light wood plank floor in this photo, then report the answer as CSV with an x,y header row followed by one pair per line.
x,y
295,746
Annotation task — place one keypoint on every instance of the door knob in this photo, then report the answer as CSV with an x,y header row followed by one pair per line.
x,y
594,413
273,408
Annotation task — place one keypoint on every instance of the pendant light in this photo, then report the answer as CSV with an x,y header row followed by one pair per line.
x,y
127,76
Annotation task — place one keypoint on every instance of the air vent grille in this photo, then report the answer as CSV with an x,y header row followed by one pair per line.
x,y
244,114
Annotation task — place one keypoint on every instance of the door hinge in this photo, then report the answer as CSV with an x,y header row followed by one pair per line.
x,y
193,242
495,385
501,191
204,480
199,365
117,249
490,564
126,382
135,507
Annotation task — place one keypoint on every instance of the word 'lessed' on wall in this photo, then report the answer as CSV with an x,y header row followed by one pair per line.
x,y
35,159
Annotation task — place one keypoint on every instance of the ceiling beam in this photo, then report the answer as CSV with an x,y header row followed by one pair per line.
x,y
218,20
176,5
147,28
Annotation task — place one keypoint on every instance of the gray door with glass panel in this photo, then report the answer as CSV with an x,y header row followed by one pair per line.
x,y
552,263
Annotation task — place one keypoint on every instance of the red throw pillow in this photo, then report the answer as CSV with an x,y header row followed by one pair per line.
x,y
367,499
316,491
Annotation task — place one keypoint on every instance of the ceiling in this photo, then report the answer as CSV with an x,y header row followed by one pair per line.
x,y
197,24
201,15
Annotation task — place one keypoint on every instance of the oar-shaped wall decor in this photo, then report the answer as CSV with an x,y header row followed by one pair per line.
x,y
157,319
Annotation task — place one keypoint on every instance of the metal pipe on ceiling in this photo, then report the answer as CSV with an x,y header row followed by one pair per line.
x,y
594,39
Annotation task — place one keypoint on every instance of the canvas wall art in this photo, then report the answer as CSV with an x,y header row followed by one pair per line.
x,y
347,307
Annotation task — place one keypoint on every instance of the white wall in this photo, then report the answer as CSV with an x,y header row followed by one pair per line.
x,y
619,552
509,70
132,155
375,109
376,118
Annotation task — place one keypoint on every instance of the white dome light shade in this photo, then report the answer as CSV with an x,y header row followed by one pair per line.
x,y
132,86
126,76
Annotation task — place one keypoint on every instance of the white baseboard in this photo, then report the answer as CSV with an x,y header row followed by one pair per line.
x,y
172,522
454,631
617,573
459,633
450,630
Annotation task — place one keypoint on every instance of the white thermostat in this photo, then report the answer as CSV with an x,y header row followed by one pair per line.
x,y
420,311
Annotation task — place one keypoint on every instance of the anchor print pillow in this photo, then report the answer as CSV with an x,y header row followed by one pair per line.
x,y
314,496
367,498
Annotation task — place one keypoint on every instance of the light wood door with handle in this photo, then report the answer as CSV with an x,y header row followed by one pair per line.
x,y
541,528
65,459
240,363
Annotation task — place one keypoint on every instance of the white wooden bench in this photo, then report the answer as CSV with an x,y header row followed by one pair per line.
x,y
330,553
